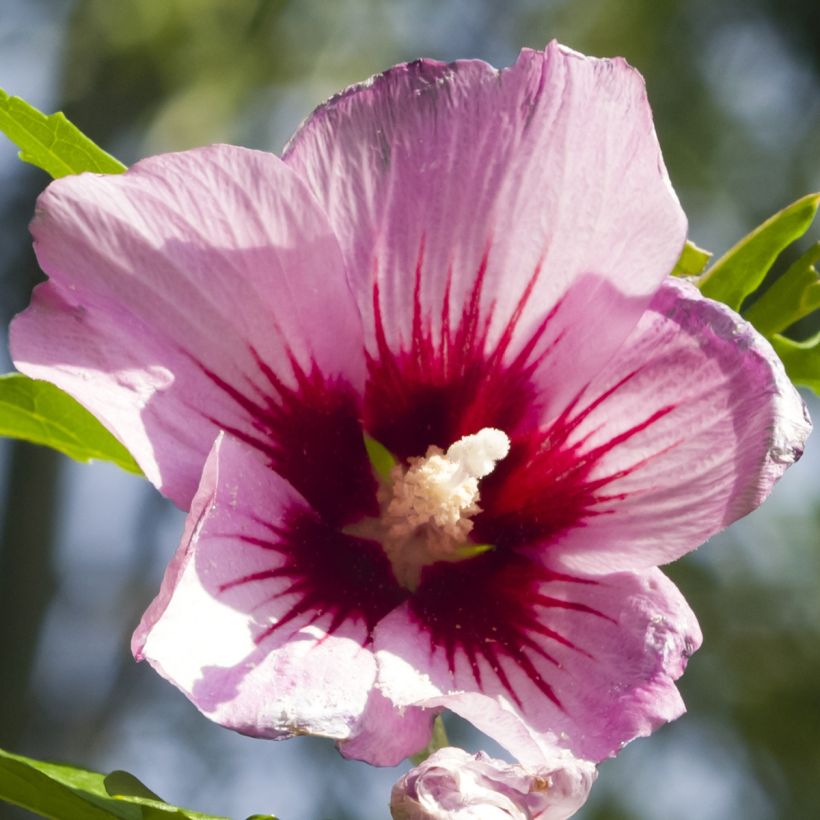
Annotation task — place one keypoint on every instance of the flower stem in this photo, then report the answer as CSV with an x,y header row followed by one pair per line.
x,y
438,741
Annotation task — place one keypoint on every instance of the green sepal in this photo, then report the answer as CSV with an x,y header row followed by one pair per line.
x,y
692,260
41,413
472,550
381,459
438,740
802,359
60,791
741,270
794,295
51,142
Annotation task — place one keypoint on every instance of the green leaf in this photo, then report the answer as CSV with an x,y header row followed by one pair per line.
x,y
37,411
125,784
741,269
794,295
61,792
802,360
51,142
438,740
41,413
692,260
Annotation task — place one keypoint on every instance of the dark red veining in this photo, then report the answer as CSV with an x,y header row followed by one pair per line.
x,y
434,391
545,485
493,608
437,390
329,572
312,434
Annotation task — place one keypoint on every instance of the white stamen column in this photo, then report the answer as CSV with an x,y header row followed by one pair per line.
x,y
428,514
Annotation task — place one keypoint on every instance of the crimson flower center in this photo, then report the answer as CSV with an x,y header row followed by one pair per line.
x,y
427,504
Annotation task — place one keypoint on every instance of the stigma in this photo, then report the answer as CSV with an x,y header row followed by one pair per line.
x,y
428,504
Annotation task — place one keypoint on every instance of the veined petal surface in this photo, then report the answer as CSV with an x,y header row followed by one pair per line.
x,y
264,616
538,659
685,430
193,293
445,251
483,214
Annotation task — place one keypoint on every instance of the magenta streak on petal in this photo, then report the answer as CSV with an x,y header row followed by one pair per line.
x,y
545,486
490,608
312,435
328,571
438,390
434,392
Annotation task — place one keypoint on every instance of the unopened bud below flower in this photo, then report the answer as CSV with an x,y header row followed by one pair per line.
x,y
455,785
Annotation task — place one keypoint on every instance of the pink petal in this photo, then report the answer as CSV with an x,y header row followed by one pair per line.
x,y
452,784
190,294
495,210
264,615
536,659
386,734
686,430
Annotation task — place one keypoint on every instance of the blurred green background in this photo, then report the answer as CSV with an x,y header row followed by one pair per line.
x,y
735,91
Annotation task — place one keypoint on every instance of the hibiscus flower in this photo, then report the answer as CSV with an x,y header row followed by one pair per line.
x,y
433,405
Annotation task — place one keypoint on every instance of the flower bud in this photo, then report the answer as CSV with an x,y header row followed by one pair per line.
x,y
455,785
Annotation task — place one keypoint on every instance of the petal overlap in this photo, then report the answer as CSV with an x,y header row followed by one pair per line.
x,y
536,658
247,627
503,198
454,785
182,296
684,431
444,253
